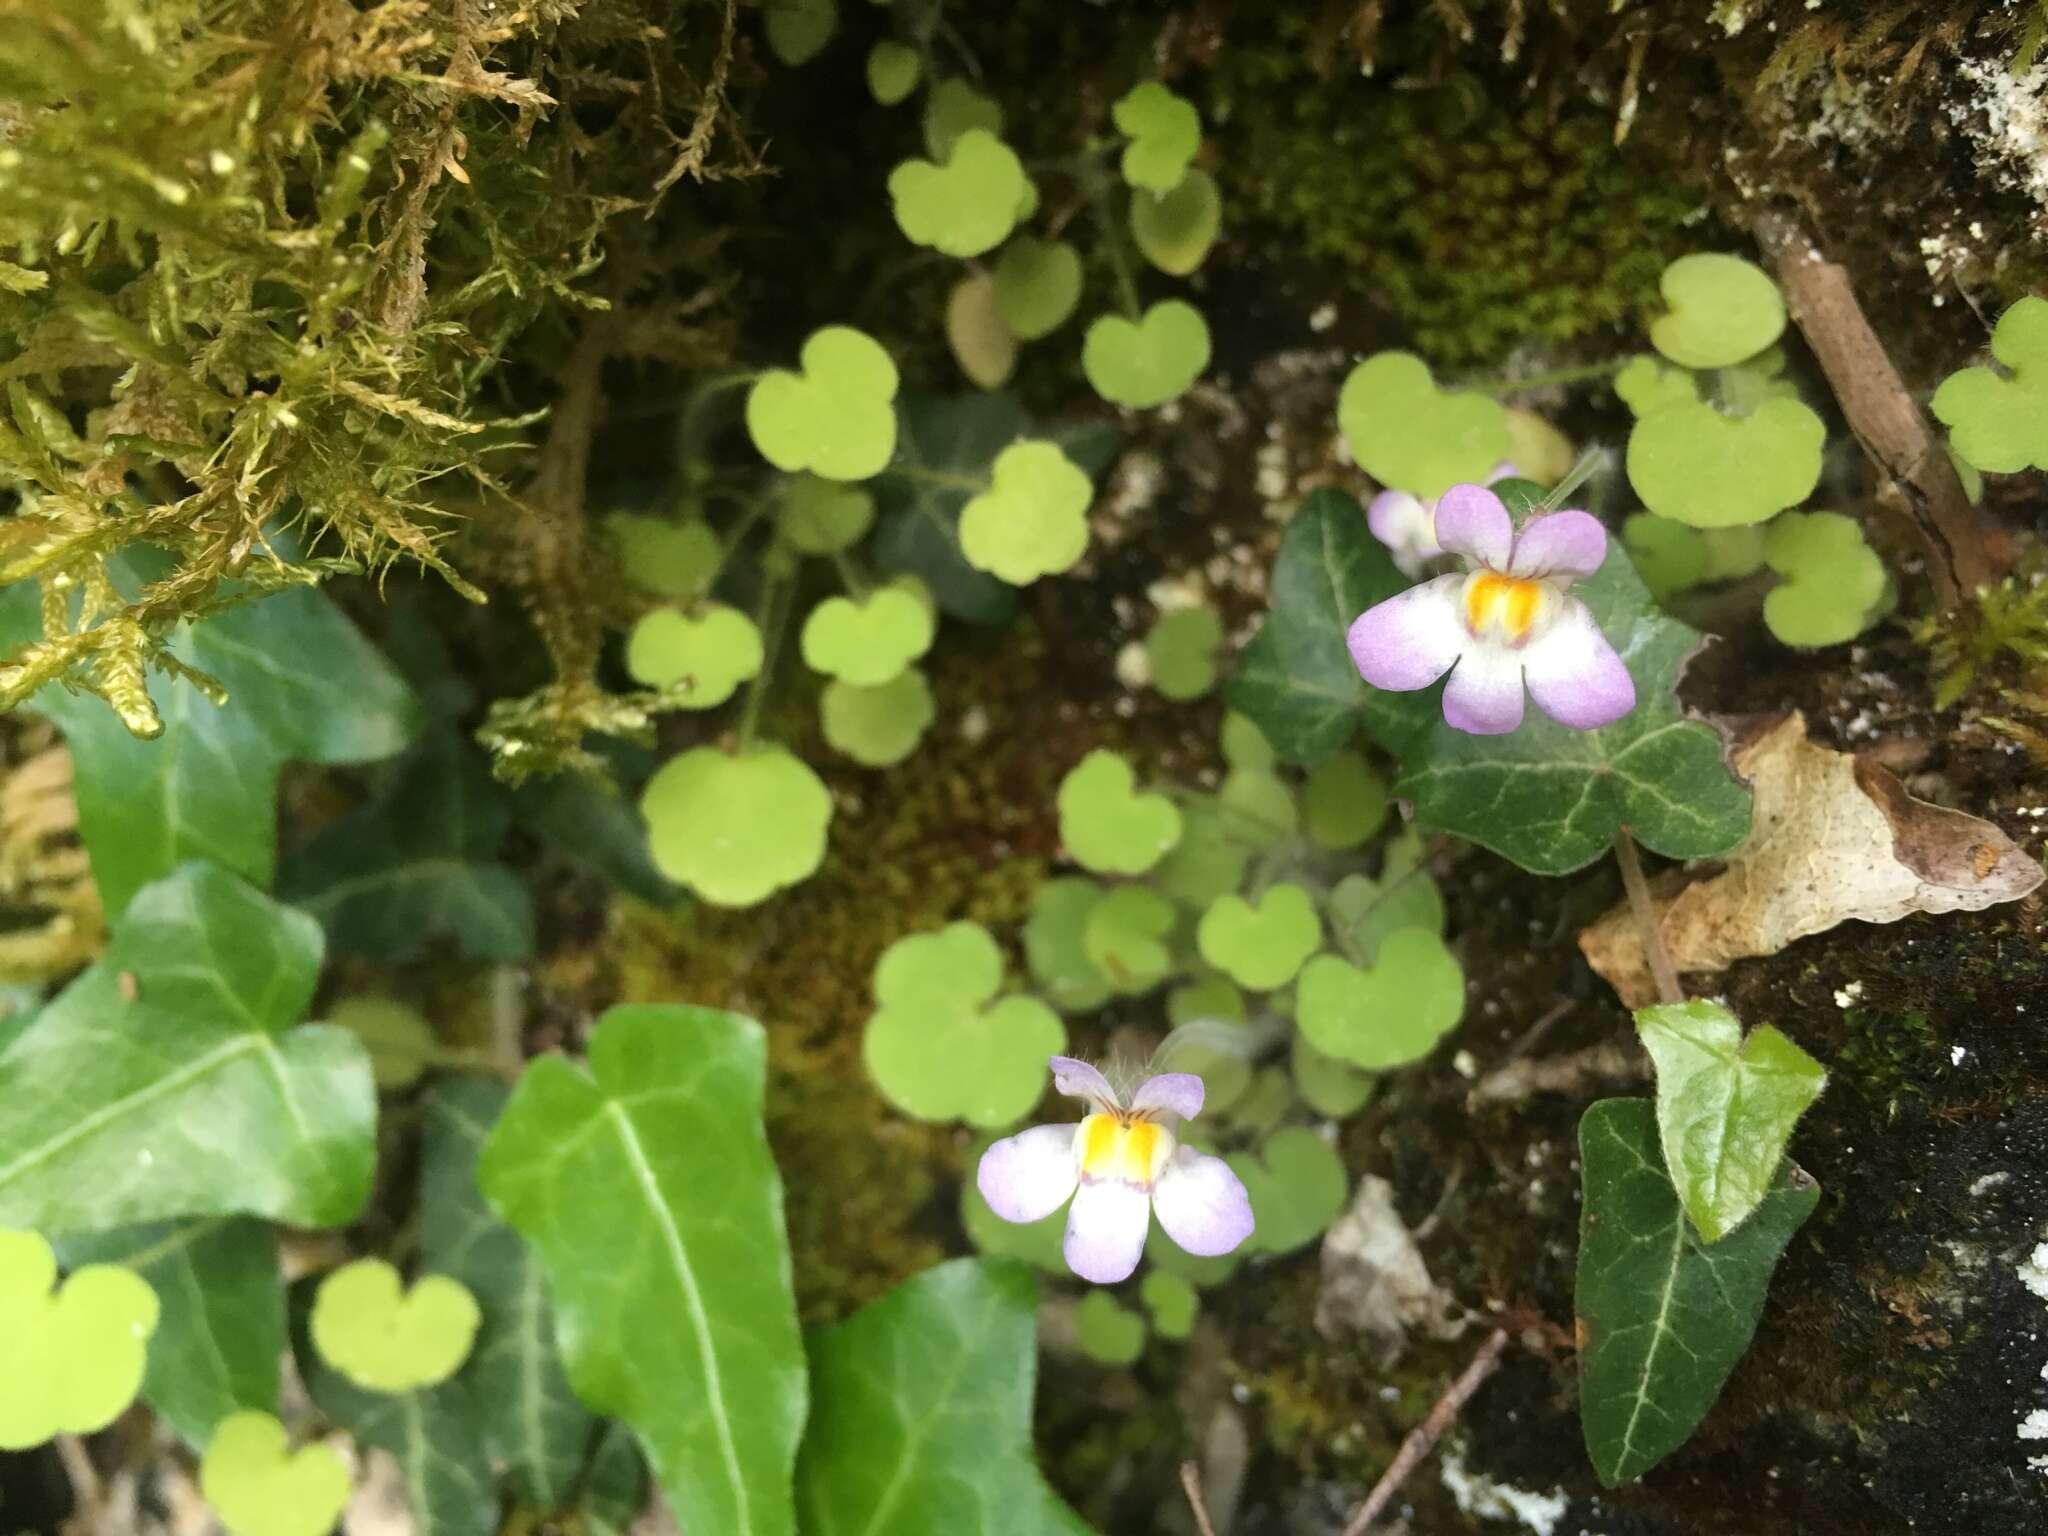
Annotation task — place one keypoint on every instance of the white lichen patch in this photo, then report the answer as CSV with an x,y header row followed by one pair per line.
x,y
2005,116
2034,1271
1477,1494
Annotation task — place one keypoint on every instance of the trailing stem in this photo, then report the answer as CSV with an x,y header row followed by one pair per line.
x,y
1661,968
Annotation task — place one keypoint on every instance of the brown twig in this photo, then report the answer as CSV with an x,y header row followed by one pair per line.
x,y
1191,1480
88,1496
1423,1438
1914,470
1661,968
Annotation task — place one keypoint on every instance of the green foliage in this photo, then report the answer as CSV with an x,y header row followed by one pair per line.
x,y
646,1189
1671,557
939,1048
1053,945
669,559
387,1337
1164,130
1648,384
1720,310
798,30
1834,586
1343,802
922,1421
1171,1300
893,70
966,206
228,1109
260,1487
881,725
1126,938
220,1333
1326,1085
1147,361
1260,944
1387,1013
1726,1106
1364,912
1175,229
1106,824
866,641
1663,1315
1032,521
400,1043
75,1351
701,656
1690,463
953,108
1182,647
834,416
530,1421
1038,285
736,827
1410,435
1107,1331
983,344
1297,1185
821,517
1998,421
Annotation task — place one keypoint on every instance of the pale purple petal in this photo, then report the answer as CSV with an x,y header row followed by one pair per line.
x,y
1472,521
1202,1204
1077,1080
1410,640
1484,695
1174,1093
1573,673
1559,544
1402,523
1504,470
1106,1230
1028,1176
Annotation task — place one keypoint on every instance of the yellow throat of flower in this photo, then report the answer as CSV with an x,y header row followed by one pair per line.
x,y
1123,1146
1509,606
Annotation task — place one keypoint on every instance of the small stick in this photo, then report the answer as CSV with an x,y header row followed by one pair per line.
x,y
1423,1438
88,1497
1191,1480
1666,974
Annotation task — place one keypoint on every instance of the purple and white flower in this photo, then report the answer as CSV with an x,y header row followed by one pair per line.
x,y
1120,1165
1406,524
1507,620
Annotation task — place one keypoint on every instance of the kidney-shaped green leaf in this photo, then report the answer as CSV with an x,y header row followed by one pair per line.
x,y
646,1186
168,1081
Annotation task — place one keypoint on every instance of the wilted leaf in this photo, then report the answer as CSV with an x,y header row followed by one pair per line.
x,y
1835,838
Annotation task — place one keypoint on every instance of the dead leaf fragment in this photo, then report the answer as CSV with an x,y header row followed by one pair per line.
x,y
1835,837
1374,1279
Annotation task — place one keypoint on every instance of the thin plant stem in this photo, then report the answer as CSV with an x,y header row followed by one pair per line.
x,y
1119,253
854,582
1583,373
774,616
1645,911
1426,1434
1191,1481
1588,465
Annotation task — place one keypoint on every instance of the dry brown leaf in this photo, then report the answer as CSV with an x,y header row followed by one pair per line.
x,y
1834,837
1374,1278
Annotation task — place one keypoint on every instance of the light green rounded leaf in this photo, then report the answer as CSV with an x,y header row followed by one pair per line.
x,y
1038,284
1834,584
798,30
736,828
1182,648
1721,309
893,69
1209,860
1328,1086
387,1338
1388,1015
1244,745
983,344
1412,436
1053,948
953,108
259,1487
965,206
940,1048
1260,945
666,558
1669,556
822,517
1175,229
835,417
1257,808
1297,1186
1343,801
75,1353
1692,464
705,654
880,725
1032,521
400,1043
1999,421
1165,130
1172,1301
1146,362
1648,384
867,641
1537,449
1108,1331
1365,912
1211,999
1126,938
1107,825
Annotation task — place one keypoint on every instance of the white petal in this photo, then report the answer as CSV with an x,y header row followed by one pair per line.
x,y
1028,1176
1573,673
1484,695
1172,1093
1411,639
1106,1230
1202,1204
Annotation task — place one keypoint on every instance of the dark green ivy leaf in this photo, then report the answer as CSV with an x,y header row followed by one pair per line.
x,y
531,1421
921,1416
615,1487
220,1335
168,1080
1663,1316
1296,680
